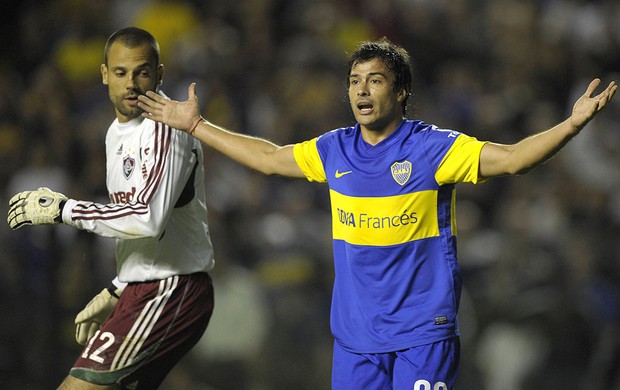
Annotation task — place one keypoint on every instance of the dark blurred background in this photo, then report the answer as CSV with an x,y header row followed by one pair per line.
x,y
541,301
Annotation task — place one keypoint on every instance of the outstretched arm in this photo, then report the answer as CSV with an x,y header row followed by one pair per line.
x,y
520,158
256,153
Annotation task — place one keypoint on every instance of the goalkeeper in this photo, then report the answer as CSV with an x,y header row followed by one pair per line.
x,y
158,215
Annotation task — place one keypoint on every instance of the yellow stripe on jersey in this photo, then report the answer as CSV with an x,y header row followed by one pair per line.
x,y
382,221
307,157
462,162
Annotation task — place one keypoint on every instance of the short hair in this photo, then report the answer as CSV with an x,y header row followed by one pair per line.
x,y
393,56
133,37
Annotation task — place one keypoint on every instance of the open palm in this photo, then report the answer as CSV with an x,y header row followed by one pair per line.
x,y
587,106
180,115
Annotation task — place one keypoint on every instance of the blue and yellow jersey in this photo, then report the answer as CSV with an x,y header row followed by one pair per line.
x,y
397,280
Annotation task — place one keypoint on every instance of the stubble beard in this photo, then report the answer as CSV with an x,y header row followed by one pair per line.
x,y
126,110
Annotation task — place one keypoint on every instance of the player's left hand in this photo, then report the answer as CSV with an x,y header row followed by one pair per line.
x,y
40,207
180,115
587,106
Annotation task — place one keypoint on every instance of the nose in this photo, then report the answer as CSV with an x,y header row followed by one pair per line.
x,y
362,89
131,82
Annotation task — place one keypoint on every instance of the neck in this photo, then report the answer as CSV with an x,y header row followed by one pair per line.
x,y
374,136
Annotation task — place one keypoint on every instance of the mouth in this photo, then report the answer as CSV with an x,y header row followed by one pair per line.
x,y
132,100
365,107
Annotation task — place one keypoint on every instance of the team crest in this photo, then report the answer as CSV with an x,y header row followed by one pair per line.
x,y
401,172
128,165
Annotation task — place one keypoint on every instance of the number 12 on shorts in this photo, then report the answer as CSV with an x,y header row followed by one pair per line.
x,y
108,340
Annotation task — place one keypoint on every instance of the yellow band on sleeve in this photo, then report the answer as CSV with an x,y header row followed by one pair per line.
x,y
462,162
307,157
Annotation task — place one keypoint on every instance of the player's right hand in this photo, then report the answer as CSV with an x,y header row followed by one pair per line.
x,y
40,207
89,320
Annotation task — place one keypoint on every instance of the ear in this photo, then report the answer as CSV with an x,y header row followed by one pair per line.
x,y
160,74
104,74
402,95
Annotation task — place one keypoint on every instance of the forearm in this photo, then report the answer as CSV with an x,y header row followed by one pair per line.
x,y
253,152
539,148
527,154
520,158
122,221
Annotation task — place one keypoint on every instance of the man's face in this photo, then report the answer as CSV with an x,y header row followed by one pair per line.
x,y
130,71
375,104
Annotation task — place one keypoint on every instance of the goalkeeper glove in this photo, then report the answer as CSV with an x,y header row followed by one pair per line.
x,y
89,320
40,207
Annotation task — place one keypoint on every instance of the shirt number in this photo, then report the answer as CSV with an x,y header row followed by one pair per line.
x,y
426,385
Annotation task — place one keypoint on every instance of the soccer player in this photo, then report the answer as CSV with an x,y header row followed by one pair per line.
x,y
158,215
392,188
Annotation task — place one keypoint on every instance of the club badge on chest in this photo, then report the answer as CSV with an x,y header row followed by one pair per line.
x,y
129,163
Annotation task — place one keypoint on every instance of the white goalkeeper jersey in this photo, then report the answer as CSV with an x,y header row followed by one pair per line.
x,y
157,210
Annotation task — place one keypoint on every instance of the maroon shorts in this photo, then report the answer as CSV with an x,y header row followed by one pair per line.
x,y
153,325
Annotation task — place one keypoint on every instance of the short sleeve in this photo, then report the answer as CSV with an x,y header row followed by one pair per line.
x,y
309,161
461,163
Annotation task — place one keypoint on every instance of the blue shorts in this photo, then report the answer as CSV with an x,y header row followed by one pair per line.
x,y
426,367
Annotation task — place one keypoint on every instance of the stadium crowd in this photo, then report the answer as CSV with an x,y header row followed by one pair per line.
x,y
541,304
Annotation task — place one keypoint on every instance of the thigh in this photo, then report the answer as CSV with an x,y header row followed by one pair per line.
x,y
153,325
354,371
428,367
73,383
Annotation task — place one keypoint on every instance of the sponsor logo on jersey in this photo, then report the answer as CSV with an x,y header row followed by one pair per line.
x,y
370,221
129,163
119,151
384,220
123,197
401,172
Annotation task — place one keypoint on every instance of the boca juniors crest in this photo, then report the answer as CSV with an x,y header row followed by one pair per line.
x,y
401,172
128,165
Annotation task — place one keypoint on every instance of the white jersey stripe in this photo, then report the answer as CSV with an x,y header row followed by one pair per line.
x,y
140,331
120,355
121,359
174,282
144,324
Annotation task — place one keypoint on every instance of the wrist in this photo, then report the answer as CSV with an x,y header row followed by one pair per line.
x,y
113,291
574,128
195,122
61,207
